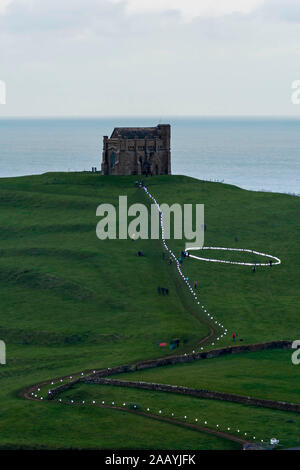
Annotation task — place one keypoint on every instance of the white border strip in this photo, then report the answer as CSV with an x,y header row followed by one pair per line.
x,y
212,260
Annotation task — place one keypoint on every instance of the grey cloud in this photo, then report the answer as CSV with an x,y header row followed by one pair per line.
x,y
280,10
56,15
86,57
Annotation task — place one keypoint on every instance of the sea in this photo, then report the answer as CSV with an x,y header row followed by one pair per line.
x,y
260,154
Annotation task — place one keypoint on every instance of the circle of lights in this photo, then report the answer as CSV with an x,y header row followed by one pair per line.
x,y
212,260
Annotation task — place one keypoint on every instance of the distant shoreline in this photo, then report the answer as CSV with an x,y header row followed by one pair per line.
x,y
254,153
160,118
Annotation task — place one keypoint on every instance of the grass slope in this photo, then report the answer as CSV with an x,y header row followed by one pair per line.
x,y
269,375
70,301
240,419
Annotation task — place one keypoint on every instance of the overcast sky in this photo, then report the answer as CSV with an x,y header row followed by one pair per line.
x,y
149,57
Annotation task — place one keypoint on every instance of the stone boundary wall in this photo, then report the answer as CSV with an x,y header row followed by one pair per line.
x,y
211,354
62,388
170,360
277,405
93,377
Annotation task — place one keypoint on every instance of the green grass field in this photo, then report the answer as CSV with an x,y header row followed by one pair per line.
x,y
71,302
240,419
269,375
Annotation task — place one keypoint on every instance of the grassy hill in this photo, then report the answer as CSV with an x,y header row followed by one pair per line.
x,y
71,302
